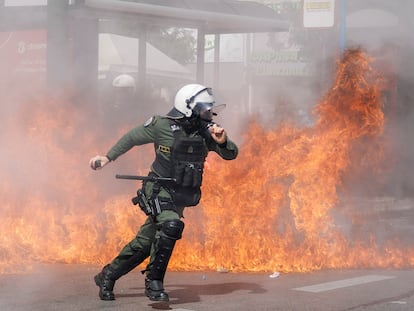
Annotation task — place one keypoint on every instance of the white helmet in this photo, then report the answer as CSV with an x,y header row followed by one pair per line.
x,y
123,81
195,99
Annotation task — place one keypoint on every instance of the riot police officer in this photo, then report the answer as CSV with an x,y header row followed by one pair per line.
x,y
182,140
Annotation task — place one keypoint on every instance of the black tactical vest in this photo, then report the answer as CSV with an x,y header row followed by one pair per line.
x,y
187,156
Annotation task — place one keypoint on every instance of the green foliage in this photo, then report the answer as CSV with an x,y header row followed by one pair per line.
x,y
177,43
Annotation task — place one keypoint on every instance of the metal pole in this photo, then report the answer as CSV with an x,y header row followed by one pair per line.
x,y
200,55
142,57
216,81
57,44
342,26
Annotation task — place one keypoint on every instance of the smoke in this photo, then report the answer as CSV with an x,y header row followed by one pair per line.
x,y
385,34
379,194
47,138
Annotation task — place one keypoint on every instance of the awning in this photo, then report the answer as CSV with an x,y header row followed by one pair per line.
x,y
213,16
121,52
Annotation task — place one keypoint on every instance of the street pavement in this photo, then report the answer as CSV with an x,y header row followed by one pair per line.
x,y
71,287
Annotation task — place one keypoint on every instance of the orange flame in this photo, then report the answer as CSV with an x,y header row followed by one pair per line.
x,y
272,209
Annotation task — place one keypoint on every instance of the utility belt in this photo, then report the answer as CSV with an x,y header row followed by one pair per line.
x,y
179,197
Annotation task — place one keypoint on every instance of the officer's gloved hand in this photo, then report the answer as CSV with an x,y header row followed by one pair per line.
x,y
218,134
98,162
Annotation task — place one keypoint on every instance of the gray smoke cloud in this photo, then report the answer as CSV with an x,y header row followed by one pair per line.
x,y
271,78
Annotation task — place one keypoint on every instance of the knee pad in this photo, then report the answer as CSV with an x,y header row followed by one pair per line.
x,y
172,229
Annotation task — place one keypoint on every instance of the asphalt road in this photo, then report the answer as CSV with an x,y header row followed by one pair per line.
x,y
71,287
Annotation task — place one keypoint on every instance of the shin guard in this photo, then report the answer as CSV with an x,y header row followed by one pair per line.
x,y
170,232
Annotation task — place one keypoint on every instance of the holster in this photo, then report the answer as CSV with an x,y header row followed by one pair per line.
x,y
143,203
151,206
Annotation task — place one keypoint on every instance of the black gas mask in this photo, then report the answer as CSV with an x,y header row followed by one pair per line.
x,y
201,119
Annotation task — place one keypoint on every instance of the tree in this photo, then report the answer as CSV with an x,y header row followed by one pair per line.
x,y
177,43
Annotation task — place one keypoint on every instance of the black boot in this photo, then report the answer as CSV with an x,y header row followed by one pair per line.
x,y
107,277
154,290
170,232
106,283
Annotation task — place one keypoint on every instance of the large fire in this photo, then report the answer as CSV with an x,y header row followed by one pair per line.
x,y
274,208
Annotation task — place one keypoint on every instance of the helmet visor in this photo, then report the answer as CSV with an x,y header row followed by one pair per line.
x,y
207,111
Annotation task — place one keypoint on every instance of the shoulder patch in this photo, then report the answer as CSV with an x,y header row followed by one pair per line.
x,y
151,120
175,127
